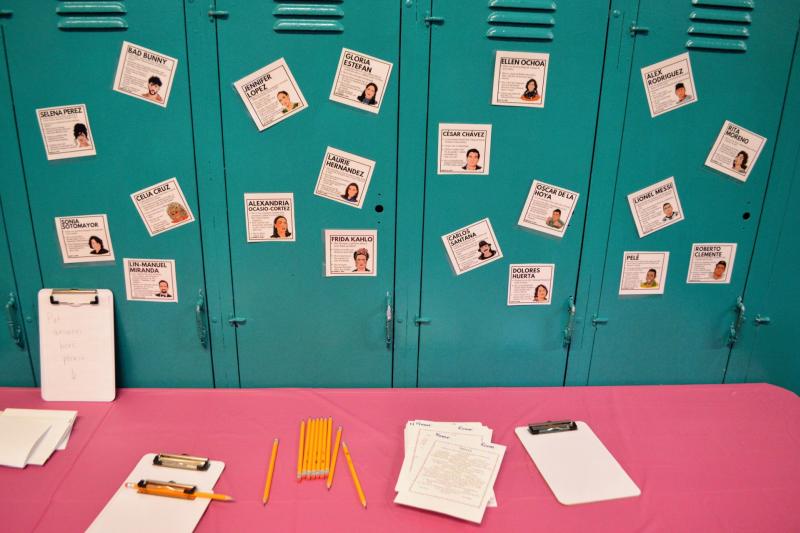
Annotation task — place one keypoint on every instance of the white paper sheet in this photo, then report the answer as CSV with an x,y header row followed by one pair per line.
x,y
18,437
56,437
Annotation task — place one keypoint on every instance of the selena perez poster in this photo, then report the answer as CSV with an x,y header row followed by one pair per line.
x,y
271,94
735,151
344,177
643,273
351,252
520,79
711,262
150,280
472,246
655,207
464,148
669,84
162,207
145,74
66,132
84,238
360,81
548,208
530,284
269,217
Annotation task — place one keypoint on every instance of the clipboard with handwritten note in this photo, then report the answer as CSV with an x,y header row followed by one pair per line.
x,y
76,339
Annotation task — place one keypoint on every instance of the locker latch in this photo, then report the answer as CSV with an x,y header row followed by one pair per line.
x,y
217,14
599,320
635,28
431,20
237,321
5,13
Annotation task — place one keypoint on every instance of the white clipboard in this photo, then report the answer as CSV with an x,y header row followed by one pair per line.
x,y
577,466
131,512
76,340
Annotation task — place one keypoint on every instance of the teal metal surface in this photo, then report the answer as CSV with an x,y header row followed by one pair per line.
x,y
15,362
302,328
681,336
138,144
474,338
768,349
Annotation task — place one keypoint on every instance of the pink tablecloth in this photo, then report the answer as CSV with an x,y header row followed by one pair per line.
x,y
706,457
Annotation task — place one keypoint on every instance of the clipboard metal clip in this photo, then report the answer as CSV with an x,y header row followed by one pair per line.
x,y
541,428
74,292
164,488
182,461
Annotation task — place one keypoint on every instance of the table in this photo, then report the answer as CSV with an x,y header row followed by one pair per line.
x,y
706,457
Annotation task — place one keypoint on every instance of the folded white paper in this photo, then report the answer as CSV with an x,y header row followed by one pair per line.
x,y
18,437
57,436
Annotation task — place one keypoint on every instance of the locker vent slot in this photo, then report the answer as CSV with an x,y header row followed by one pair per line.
x,y
527,20
319,16
722,25
91,15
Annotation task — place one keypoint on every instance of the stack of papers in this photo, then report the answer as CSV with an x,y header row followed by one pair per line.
x,y
30,436
449,468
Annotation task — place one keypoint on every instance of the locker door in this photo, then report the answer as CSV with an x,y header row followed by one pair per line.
x,y
63,53
740,57
299,327
468,334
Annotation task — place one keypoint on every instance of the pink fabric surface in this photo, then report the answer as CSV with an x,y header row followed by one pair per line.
x,y
706,457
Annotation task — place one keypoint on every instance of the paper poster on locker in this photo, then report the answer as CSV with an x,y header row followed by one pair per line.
x,y
151,280
520,79
351,252
66,132
735,151
145,74
711,262
464,148
271,94
530,283
669,84
361,80
84,238
472,246
162,207
548,208
269,217
643,273
655,207
344,177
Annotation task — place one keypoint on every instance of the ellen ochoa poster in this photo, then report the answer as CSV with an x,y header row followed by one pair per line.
x,y
520,79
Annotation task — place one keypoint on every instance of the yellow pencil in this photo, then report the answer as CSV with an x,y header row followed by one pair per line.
x,y
300,449
270,472
307,448
354,475
334,456
320,447
328,427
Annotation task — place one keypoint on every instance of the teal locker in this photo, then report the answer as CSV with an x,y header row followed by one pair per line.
x,y
297,327
469,336
740,57
767,350
138,144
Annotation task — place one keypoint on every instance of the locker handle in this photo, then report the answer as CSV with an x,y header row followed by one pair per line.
x,y
5,13
570,321
14,329
762,320
200,318
389,321
736,325
431,20
635,28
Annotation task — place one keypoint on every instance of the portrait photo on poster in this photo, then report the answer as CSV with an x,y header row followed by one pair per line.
x,y
271,94
669,84
735,151
520,79
548,208
464,148
162,207
151,280
643,273
269,217
344,177
84,238
66,132
351,252
472,246
655,207
711,262
145,74
361,81
530,283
